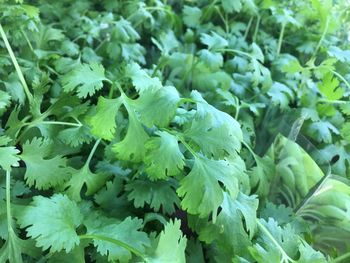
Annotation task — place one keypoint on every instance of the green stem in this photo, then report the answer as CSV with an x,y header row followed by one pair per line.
x,y
341,258
8,202
15,63
322,37
116,242
93,150
235,51
61,123
280,39
341,77
28,41
248,27
256,28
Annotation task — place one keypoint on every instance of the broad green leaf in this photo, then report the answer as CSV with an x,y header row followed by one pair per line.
x,y
132,147
42,170
163,157
159,195
207,195
151,103
103,122
81,177
171,245
140,79
329,87
52,222
191,16
8,154
126,231
85,79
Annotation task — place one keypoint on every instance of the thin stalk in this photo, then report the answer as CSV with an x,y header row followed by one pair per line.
x,y
341,258
341,77
116,242
248,28
280,39
235,51
28,41
61,123
15,63
93,150
256,28
8,202
322,37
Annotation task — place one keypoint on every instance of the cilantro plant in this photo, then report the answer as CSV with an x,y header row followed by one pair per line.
x,y
174,131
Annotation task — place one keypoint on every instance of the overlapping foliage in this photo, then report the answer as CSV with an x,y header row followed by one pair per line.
x,y
161,131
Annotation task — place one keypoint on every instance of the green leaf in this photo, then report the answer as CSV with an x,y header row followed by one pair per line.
x,y
41,170
126,231
132,147
159,195
213,41
329,87
207,196
150,103
8,154
14,247
171,245
52,222
103,122
140,79
81,177
163,157
231,5
85,78
228,231
191,16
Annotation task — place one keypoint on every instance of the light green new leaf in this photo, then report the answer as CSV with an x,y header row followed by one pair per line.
x,y
200,189
329,87
103,122
231,5
85,78
171,245
52,222
163,157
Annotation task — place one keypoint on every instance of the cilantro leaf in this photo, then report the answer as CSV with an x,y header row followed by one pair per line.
x,y
103,122
8,154
163,157
159,195
52,222
163,100
207,196
127,231
329,87
132,147
171,245
85,78
41,170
